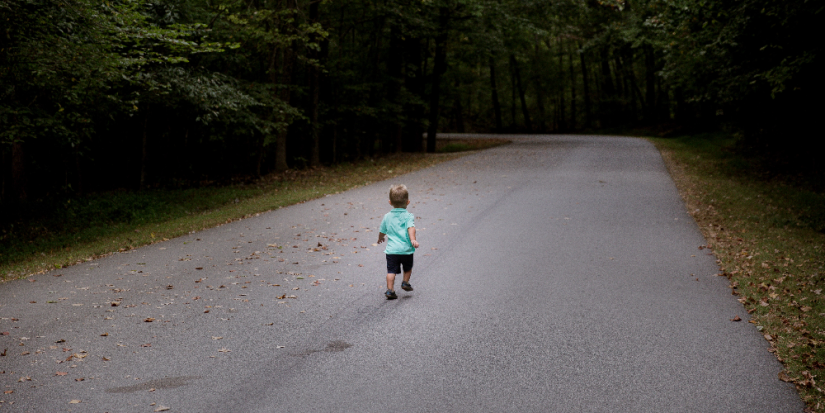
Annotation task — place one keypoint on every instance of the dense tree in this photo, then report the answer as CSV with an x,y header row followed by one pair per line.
x,y
134,93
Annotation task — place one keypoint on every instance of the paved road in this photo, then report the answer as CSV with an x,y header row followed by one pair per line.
x,y
556,274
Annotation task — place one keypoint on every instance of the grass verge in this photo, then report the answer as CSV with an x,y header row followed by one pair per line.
x,y
768,234
81,229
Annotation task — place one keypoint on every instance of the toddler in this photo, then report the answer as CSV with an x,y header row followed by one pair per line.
x,y
398,226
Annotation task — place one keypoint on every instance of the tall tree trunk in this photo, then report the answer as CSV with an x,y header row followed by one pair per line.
x,y
562,111
527,123
513,123
573,113
607,97
18,173
458,109
314,94
636,93
588,121
395,63
285,96
494,89
650,84
414,81
143,149
541,127
439,67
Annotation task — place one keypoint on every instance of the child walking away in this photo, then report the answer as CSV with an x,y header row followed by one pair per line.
x,y
398,226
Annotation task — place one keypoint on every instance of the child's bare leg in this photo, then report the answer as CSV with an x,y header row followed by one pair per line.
x,y
391,281
407,275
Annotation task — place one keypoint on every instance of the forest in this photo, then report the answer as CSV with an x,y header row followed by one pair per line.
x,y
134,94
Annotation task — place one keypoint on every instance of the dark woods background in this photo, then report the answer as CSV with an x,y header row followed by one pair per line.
x,y
100,95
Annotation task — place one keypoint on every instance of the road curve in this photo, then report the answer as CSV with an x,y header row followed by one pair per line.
x,y
555,274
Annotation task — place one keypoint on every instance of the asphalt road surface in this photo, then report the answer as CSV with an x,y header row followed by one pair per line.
x,y
555,274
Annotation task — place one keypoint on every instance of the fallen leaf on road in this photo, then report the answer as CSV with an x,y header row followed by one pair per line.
x,y
149,320
216,338
8,392
146,345
224,350
162,409
768,337
105,358
74,401
784,377
79,379
736,318
105,335
22,379
61,373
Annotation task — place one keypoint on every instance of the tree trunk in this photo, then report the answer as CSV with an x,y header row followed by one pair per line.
x,y
414,81
513,123
650,84
607,96
143,152
494,89
18,173
527,123
562,111
588,121
458,108
285,95
395,65
314,94
573,113
439,67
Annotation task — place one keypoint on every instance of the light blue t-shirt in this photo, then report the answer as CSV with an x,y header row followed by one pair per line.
x,y
395,225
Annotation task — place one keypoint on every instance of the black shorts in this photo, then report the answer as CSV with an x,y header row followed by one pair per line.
x,y
394,262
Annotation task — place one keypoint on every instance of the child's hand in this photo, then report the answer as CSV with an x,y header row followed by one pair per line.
x,y
415,244
381,237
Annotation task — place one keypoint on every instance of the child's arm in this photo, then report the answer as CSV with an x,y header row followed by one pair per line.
x,y
381,236
411,231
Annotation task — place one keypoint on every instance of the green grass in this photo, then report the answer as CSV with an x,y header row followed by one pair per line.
x,y
766,227
58,234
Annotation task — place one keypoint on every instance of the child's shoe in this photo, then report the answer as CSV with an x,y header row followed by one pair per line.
x,y
390,295
406,286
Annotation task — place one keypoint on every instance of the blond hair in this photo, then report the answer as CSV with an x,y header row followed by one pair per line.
x,y
399,196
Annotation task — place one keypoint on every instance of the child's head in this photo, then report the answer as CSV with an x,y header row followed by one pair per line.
x,y
399,197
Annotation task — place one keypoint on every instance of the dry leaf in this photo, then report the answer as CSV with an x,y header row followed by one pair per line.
x,y
8,392
162,409
149,319
784,377
768,337
736,318
75,401
61,373
105,335
224,350
216,338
